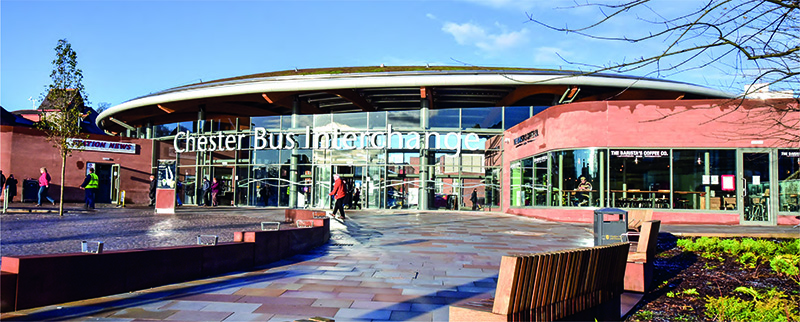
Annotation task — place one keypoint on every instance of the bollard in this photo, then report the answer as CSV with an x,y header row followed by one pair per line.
x,y
270,225
86,246
207,240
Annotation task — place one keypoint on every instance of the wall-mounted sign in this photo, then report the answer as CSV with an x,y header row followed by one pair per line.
x,y
166,174
526,138
789,154
639,153
728,182
326,140
104,146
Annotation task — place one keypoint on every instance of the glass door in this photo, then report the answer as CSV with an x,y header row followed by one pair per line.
x,y
754,188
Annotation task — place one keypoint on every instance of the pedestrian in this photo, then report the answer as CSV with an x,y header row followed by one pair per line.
x,y
263,192
474,199
2,184
90,185
206,191
11,188
357,198
338,194
44,185
152,190
215,188
178,191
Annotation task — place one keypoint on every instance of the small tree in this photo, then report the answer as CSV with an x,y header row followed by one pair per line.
x,y
62,106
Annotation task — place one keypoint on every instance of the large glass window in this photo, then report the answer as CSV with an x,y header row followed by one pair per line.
x,y
789,180
482,118
348,121
515,115
444,118
578,178
639,178
268,122
540,182
403,119
696,176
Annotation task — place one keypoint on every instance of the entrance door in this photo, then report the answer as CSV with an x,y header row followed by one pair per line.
x,y
115,183
754,188
105,181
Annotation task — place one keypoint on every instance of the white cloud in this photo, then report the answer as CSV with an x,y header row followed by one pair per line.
x,y
491,43
430,16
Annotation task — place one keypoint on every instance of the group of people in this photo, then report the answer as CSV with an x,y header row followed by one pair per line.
x,y
210,190
9,187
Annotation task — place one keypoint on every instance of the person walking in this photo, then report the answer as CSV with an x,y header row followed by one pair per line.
x,y
357,198
338,194
2,184
90,185
215,188
44,185
474,199
206,191
11,186
152,190
178,192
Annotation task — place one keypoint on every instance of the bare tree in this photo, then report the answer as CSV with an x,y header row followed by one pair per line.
x,y
754,41
61,107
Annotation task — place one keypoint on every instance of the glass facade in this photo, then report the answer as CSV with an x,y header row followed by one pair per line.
x,y
688,179
437,160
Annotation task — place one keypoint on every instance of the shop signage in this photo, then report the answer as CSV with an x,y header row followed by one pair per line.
x,y
790,154
326,140
105,146
527,137
639,153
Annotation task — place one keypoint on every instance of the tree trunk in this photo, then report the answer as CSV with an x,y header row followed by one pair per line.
x,y
63,171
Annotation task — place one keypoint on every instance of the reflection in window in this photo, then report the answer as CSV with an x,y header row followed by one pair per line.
x,y
349,121
541,184
482,118
321,120
577,178
696,175
403,119
789,180
639,178
377,120
444,118
268,122
515,115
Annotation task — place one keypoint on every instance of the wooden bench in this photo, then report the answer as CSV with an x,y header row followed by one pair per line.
x,y
638,216
639,269
551,286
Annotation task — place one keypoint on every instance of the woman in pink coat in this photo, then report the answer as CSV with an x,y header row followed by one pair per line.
x,y
44,185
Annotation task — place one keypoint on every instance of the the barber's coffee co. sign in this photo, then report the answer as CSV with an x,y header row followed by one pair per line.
x,y
330,140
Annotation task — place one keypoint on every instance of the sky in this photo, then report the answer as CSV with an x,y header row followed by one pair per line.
x,y
127,49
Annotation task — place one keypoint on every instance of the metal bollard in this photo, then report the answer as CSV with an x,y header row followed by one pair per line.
x,y
98,246
207,240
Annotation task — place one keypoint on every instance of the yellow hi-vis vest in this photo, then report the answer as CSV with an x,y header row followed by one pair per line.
x,y
93,182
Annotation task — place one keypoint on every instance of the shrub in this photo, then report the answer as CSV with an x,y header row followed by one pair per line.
x,y
771,305
787,265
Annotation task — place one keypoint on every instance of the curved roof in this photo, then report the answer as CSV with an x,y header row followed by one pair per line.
x,y
340,90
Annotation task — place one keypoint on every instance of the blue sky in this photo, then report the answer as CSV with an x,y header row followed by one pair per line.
x,y
128,49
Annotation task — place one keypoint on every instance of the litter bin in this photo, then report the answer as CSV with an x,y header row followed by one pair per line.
x,y
609,225
30,188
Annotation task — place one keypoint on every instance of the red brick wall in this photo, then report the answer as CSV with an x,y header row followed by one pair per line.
x,y
24,150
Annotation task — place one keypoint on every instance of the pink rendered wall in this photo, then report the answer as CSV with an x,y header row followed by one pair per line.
x,y
652,124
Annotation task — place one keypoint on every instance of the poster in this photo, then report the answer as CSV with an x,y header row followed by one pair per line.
x,y
166,174
728,182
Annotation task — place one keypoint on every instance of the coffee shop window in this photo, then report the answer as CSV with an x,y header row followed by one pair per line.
x,y
576,178
540,180
521,177
639,178
697,176
789,181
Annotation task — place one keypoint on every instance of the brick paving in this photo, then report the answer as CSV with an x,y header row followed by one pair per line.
x,y
378,266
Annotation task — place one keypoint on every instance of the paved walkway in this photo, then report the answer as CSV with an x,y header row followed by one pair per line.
x,y
379,265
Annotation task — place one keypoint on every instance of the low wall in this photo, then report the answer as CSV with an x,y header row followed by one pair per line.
x,y
39,280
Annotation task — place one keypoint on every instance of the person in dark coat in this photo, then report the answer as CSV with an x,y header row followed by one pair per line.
x,y
2,183
357,198
152,190
474,199
11,186
206,191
